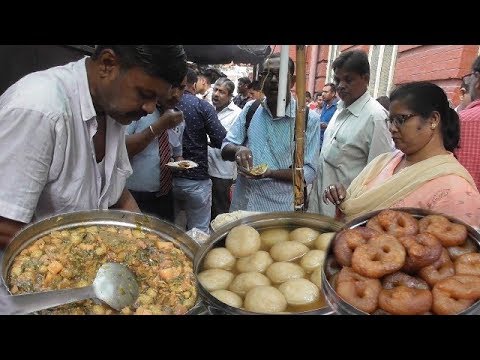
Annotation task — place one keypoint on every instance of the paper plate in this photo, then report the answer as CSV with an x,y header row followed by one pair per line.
x,y
182,165
259,169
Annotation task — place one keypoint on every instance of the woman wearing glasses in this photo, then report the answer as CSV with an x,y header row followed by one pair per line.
x,y
422,172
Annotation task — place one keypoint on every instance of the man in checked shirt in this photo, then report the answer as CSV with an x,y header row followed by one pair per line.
x,y
468,153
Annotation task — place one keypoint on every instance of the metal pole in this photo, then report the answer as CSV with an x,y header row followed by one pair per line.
x,y
282,81
298,178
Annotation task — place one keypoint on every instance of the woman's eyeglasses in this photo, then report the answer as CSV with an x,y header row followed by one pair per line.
x,y
398,119
467,78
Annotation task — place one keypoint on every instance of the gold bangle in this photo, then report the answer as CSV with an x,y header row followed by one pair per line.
x,y
151,129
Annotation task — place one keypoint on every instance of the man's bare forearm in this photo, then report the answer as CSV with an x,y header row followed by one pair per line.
x,y
136,143
126,202
8,228
281,174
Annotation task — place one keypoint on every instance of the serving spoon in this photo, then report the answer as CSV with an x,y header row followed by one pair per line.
x,y
114,284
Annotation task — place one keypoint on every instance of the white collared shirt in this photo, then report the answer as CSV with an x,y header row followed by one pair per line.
x,y
354,136
207,96
47,156
217,167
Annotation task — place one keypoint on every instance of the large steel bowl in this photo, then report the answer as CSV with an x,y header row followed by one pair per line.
x,y
260,222
117,218
342,307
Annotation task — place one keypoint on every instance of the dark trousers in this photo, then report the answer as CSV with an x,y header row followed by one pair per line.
x,y
159,206
220,196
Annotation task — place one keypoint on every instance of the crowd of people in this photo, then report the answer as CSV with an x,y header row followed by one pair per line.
x,y
99,133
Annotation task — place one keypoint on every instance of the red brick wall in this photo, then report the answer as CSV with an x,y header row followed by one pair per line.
x,y
321,67
354,47
320,78
442,64
402,48
292,52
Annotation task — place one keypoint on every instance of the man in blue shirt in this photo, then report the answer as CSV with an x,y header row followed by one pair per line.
x,y
329,96
192,188
143,151
269,140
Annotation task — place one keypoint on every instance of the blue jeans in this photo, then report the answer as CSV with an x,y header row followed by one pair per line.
x,y
195,198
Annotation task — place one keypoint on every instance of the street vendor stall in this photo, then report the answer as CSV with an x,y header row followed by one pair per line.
x,y
405,261
224,54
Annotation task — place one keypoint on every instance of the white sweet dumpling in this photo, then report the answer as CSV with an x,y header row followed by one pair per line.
x,y
243,240
219,258
316,277
280,272
272,236
299,291
265,299
215,279
304,235
228,297
246,281
312,260
323,240
288,250
258,262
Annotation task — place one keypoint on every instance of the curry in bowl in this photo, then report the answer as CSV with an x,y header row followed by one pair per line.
x,y
70,258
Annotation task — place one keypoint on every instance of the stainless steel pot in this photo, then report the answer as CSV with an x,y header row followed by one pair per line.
x,y
342,307
259,222
117,218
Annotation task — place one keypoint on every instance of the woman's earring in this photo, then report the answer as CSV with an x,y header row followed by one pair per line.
x,y
433,126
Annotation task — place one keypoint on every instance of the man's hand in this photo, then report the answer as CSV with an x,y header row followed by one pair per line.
x,y
265,175
244,159
177,169
169,119
323,125
8,228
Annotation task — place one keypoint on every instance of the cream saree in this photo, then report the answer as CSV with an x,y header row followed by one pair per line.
x,y
361,200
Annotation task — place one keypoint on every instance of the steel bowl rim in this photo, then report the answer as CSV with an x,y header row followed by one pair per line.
x,y
362,220
6,262
220,234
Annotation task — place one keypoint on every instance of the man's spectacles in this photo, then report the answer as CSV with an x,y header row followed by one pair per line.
x,y
399,119
265,74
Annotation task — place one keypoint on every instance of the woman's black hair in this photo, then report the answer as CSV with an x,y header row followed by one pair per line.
x,y
424,98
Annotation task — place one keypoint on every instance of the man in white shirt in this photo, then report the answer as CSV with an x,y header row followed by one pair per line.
x,y
62,131
222,172
356,134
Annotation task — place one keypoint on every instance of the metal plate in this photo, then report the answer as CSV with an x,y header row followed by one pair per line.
x,y
342,307
118,218
260,222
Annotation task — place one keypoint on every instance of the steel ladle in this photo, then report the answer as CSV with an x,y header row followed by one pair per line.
x,y
114,284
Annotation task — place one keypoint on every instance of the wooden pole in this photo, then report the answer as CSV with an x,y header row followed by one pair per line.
x,y
299,137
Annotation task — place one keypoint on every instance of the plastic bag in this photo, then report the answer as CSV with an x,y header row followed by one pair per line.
x,y
224,219
198,235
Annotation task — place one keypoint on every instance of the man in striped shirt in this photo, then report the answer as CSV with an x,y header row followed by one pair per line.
x,y
269,140
142,140
469,151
